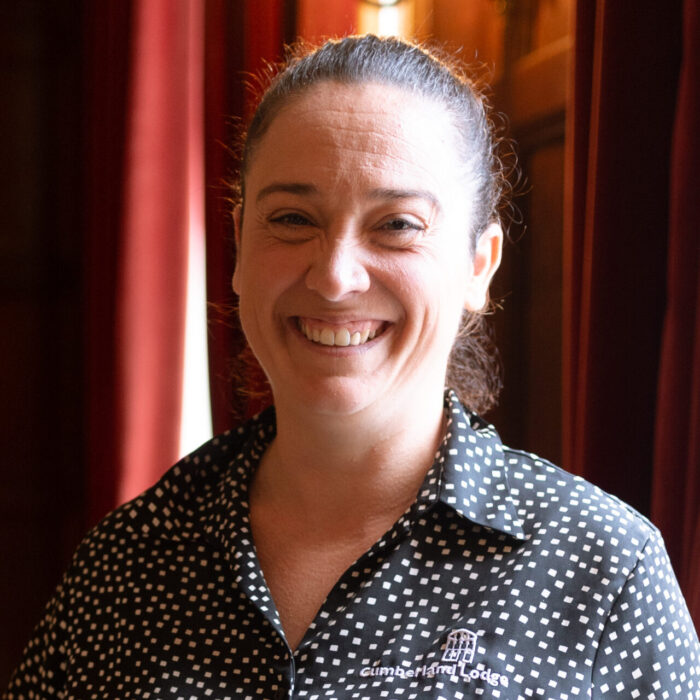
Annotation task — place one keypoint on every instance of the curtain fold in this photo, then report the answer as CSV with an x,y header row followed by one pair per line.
x,y
223,99
676,495
153,262
625,72
138,242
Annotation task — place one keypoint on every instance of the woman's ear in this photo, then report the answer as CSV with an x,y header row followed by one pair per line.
x,y
487,258
237,214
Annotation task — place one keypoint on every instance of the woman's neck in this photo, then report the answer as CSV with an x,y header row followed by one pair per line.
x,y
356,467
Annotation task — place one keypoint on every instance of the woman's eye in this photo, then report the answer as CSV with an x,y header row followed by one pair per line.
x,y
291,219
401,225
400,231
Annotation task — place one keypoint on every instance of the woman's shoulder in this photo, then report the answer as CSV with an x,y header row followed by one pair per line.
x,y
545,502
559,492
179,505
541,493
576,518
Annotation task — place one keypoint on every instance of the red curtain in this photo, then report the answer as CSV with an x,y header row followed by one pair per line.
x,y
137,241
625,76
224,98
617,240
676,496
153,273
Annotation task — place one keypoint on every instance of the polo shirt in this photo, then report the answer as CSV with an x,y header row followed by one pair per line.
x,y
506,578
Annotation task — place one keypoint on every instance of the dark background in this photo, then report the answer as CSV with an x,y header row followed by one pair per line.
x,y
41,300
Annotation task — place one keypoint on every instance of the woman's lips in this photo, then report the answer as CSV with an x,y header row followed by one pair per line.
x,y
340,334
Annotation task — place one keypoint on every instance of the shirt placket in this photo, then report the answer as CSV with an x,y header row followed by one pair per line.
x,y
351,582
235,537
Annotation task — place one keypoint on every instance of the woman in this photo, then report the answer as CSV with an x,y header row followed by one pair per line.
x,y
368,537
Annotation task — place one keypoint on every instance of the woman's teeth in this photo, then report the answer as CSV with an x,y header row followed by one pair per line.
x,y
341,338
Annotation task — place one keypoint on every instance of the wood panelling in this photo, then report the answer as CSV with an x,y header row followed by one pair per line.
x,y
551,21
476,26
543,292
537,87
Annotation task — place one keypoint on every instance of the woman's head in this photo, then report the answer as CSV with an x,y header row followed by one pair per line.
x,y
319,99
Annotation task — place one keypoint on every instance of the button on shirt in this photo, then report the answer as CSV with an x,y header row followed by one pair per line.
x,y
507,578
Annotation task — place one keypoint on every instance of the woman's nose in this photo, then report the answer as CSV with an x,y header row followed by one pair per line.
x,y
338,271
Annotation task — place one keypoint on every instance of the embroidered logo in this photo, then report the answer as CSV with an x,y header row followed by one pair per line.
x,y
460,647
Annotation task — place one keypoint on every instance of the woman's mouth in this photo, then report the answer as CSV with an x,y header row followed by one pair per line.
x,y
339,334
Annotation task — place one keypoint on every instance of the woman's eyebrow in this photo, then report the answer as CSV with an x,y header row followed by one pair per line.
x,y
391,193
382,193
288,187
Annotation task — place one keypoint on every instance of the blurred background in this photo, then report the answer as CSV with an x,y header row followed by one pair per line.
x,y
118,121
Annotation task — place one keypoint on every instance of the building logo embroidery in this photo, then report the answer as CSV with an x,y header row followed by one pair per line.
x,y
458,654
460,646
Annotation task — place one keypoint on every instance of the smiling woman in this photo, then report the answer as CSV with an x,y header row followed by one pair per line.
x,y
369,535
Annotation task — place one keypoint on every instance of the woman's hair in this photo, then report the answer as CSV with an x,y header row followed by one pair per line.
x,y
473,370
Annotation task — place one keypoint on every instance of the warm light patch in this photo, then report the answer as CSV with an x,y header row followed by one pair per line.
x,y
386,17
196,424
195,413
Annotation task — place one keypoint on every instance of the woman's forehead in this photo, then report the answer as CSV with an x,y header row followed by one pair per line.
x,y
389,107
339,127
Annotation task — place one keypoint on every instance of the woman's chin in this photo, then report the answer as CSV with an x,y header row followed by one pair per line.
x,y
328,396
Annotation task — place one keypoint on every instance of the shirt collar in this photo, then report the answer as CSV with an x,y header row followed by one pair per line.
x,y
469,473
474,479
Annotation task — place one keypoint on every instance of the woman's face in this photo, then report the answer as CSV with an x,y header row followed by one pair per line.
x,y
353,259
